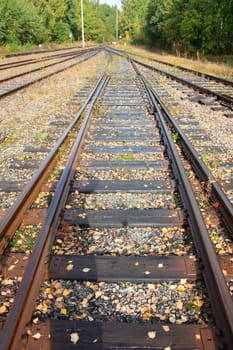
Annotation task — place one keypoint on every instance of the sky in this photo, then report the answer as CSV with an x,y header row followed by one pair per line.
x,y
111,2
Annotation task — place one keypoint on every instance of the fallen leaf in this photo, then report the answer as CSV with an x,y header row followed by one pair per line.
x,y
198,303
180,288
183,281
44,309
63,311
36,336
3,309
69,267
215,205
66,292
74,338
86,269
151,334
166,328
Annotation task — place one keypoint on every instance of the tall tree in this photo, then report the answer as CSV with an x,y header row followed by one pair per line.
x,y
72,17
51,12
20,23
133,18
192,26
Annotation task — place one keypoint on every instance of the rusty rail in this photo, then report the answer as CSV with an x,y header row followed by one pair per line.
x,y
22,310
14,215
220,297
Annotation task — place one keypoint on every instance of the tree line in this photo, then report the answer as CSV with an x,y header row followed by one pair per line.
x,y
28,22
184,26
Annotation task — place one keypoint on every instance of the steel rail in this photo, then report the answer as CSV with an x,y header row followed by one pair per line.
x,y
224,98
227,99
26,53
198,73
22,309
14,215
40,68
218,291
28,61
33,81
217,195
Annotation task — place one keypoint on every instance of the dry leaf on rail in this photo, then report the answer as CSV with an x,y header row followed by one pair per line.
x,y
36,336
74,338
69,267
151,334
86,269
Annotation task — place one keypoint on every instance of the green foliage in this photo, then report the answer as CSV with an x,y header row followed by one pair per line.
x,y
61,32
133,18
191,26
72,17
20,23
30,22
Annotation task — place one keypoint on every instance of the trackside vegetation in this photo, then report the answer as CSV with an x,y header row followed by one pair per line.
x,y
33,22
192,27
184,27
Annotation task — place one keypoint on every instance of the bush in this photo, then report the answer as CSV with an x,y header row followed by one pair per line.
x,y
61,32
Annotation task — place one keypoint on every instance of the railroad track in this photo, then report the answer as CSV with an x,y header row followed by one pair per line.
x,y
107,278
13,80
39,56
208,85
213,156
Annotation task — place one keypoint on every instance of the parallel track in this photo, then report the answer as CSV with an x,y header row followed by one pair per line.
x,y
14,83
25,62
119,136
206,84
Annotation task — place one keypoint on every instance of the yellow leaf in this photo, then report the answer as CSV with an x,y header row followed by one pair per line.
x,y
198,303
3,309
180,288
44,309
66,292
63,311
69,267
